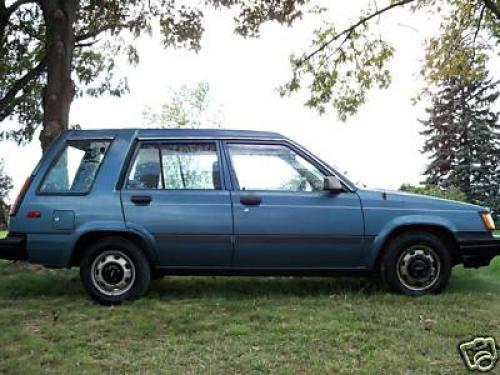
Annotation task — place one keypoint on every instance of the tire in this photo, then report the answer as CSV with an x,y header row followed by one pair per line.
x,y
416,263
113,270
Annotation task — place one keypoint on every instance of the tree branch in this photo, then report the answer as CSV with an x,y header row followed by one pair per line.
x,y
16,4
96,32
480,20
6,12
351,28
87,44
20,84
494,7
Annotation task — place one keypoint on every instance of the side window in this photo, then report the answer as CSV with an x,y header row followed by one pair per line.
x,y
190,166
273,167
176,166
76,168
146,170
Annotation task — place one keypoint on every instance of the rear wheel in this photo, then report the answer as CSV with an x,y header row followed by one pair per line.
x,y
416,263
113,270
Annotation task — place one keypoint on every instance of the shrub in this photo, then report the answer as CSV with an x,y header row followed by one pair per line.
x,y
451,193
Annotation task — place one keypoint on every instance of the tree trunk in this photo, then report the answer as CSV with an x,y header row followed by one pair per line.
x,y
4,19
59,92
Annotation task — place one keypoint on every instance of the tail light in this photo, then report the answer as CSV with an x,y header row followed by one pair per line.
x,y
20,196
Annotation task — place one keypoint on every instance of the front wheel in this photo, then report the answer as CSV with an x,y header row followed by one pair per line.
x,y
416,263
113,270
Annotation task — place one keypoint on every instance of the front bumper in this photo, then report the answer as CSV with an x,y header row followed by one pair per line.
x,y
13,247
478,249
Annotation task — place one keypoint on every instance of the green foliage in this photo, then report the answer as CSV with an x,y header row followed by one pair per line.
x,y
187,106
5,182
5,187
451,192
463,140
461,49
241,325
344,64
339,70
104,34
343,75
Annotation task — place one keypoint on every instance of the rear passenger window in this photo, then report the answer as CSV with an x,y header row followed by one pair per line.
x,y
76,168
176,166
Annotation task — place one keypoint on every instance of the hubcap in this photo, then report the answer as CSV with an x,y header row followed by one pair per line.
x,y
113,273
418,267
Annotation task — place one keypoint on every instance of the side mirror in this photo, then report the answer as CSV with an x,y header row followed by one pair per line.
x,y
333,184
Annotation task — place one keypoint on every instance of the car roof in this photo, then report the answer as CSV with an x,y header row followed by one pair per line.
x,y
181,133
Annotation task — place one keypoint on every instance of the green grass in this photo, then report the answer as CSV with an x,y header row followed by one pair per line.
x,y
3,234
241,325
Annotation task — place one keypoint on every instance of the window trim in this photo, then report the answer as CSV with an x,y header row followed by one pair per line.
x,y
223,139
56,159
306,156
158,142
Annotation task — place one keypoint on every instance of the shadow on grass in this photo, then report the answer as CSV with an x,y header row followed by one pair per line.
x,y
19,283
237,288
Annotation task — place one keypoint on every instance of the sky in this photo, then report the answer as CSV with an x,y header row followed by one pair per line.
x,y
379,147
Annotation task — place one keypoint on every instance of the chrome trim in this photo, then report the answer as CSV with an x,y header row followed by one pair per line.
x,y
118,259
91,138
208,138
404,275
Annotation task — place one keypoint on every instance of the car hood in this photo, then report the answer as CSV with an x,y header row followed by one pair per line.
x,y
410,200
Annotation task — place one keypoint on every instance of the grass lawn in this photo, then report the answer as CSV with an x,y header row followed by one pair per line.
x,y
242,325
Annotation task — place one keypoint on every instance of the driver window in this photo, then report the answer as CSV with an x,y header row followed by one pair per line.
x,y
273,167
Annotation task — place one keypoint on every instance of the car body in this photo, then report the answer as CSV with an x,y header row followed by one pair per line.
x,y
227,202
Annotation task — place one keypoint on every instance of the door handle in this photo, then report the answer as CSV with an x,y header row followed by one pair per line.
x,y
141,200
250,200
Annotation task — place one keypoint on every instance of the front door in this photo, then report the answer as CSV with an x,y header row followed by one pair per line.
x,y
282,216
174,191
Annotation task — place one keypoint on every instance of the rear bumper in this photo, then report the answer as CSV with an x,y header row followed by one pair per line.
x,y
13,247
478,249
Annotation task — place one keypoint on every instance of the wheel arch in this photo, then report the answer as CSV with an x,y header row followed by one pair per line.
x,y
85,239
439,230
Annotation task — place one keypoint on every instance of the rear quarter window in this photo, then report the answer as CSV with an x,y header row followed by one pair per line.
x,y
76,168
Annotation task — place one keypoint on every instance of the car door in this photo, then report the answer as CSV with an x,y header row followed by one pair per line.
x,y
282,216
175,192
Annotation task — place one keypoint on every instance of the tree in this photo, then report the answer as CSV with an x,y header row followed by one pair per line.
x,y
435,191
187,107
5,187
463,140
345,63
54,50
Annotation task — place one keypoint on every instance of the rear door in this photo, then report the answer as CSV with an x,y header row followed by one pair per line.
x,y
174,191
282,216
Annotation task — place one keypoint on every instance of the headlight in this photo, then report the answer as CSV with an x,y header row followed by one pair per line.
x,y
488,221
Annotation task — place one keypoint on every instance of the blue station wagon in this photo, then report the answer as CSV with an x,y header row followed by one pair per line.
x,y
130,205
